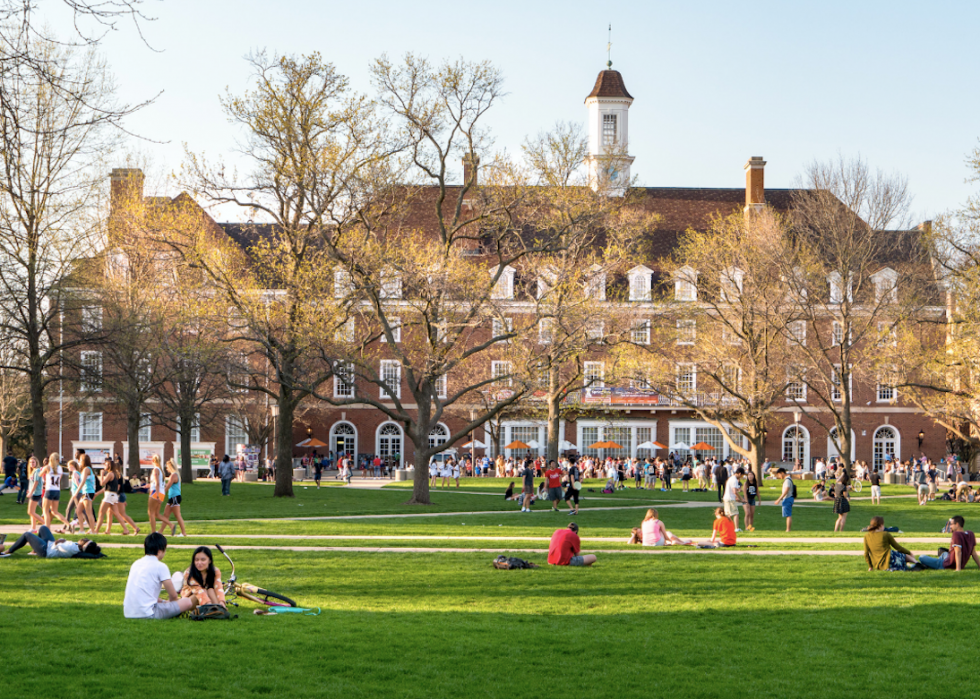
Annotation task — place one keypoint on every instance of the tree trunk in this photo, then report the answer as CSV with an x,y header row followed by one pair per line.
x,y
420,440
554,417
186,469
40,430
757,447
133,435
284,446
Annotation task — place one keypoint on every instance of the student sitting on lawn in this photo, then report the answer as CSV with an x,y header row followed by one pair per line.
x,y
565,547
142,600
881,551
962,547
654,532
722,533
46,546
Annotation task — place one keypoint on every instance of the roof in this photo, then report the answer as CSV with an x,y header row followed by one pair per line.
x,y
610,84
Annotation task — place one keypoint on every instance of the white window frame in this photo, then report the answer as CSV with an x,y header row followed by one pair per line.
x,y
885,392
345,332
731,284
595,330
145,433
687,331
91,374
836,283
396,330
595,286
343,284
836,333
640,281
689,386
610,129
641,333
195,429
391,284
888,336
499,369
343,380
442,386
546,331
390,369
594,374
795,387
885,283
497,327
836,394
686,284
235,427
797,333
90,427
504,287
91,319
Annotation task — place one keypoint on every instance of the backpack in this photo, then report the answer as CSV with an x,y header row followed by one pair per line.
x,y
792,493
504,563
210,611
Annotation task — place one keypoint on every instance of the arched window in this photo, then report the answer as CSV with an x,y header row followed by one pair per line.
x,y
887,445
832,449
438,435
796,445
343,439
390,444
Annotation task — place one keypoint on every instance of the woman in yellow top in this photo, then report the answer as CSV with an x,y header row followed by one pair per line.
x,y
881,551
202,579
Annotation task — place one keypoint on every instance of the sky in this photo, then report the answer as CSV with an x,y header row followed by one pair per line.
x,y
714,82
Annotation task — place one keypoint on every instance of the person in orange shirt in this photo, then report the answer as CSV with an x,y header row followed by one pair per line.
x,y
723,532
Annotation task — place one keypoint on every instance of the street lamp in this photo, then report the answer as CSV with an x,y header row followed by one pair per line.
x,y
922,436
798,456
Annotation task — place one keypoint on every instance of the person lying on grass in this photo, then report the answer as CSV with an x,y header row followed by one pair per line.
x,y
565,547
722,533
45,545
654,533
881,551
142,600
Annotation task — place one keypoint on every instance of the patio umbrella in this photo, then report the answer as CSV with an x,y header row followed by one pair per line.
x,y
647,445
677,446
304,443
475,444
565,445
517,445
613,445
313,443
658,445
702,446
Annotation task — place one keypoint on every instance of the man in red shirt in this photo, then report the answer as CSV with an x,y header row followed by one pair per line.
x,y
565,546
553,474
962,548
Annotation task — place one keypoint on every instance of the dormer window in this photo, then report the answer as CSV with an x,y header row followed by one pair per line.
x,y
595,285
547,280
343,285
504,288
640,283
835,280
609,129
686,284
886,285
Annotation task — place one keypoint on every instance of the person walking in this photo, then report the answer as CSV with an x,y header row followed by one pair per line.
x,y
528,486
112,487
22,481
751,495
317,472
226,472
787,497
157,493
52,474
173,501
35,492
574,486
875,487
842,502
721,475
733,495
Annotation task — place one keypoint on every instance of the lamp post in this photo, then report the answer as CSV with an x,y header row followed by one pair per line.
x,y
922,437
797,456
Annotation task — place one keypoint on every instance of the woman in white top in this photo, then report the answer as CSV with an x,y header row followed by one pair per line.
x,y
52,473
157,496
654,532
456,472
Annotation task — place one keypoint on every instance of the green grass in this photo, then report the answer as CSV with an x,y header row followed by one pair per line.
x,y
447,625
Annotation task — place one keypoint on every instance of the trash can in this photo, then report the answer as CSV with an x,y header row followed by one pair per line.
x,y
299,474
401,474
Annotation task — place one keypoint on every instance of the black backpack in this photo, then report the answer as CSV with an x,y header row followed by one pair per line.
x,y
210,611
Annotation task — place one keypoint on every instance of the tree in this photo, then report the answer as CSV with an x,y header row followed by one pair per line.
x,y
315,148
55,131
856,276
14,402
731,330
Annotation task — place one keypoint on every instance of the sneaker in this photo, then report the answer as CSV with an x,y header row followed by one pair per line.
x,y
738,530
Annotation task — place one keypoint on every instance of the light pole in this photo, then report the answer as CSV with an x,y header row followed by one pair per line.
x,y
798,456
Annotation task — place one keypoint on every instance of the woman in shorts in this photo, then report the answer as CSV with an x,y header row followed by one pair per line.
x,y
686,476
751,495
842,502
52,474
112,488
157,493
173,501
654,533
35,492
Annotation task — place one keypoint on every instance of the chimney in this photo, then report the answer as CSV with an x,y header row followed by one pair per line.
x,y
126,189
755,190
471,168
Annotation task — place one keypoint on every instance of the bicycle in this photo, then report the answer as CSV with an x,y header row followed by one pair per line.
x,y
235,589
856,485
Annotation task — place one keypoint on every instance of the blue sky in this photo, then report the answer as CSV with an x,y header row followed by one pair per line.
x,y
713,82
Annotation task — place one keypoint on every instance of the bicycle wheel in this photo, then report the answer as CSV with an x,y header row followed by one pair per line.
x,y
266,597
856,485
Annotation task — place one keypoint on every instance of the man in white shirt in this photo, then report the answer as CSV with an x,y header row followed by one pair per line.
x,y
732,496
146,575
819,469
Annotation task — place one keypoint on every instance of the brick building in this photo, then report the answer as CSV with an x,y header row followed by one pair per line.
x,y
883,424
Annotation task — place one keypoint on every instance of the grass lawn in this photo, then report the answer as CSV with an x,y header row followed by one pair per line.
x,y
448,625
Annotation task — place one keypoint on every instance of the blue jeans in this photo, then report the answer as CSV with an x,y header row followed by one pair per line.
x,y
934,562
226,486
38,542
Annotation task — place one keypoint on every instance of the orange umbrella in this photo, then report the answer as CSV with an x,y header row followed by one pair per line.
x,y
658,445
604,445
314,442
613,445
517,445
702,446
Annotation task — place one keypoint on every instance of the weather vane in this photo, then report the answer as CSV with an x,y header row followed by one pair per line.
x,y
609,49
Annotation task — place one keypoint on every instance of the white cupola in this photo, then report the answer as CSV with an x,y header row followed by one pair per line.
x,y
608,159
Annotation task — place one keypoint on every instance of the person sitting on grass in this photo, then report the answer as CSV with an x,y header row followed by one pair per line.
x,y
819,491
881,551
565,547
722,533
509,494
203,580
142,600
962,547
654,532
44,544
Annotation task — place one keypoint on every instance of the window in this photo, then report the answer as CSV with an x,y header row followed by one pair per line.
x,y
837,337
90,427
641,333
887,335
836,282
343,284
396,330
687,378
91,319
640,283
595,286
685,284
504,287
731,284
795,385
797,332
837,384
885,445
687,331
639,380
238,378
886,285
502,371
345,332
438,436
546,331
91,371
235,434
595,330
502,327
730,377
391,377
145,431
195,429
593,374
343,380
391,284
608,129
547,280
236,321
886,392
544,378
442,387
795,440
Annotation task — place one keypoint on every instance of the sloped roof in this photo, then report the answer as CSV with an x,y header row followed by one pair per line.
x,y
610,84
